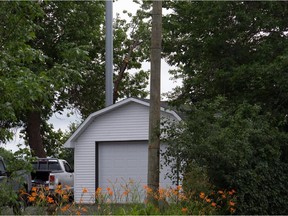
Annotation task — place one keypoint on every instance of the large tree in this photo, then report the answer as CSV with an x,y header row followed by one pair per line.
x,y
68,55
53,58
236,51
17,84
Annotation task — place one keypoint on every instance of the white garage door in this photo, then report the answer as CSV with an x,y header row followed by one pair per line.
x,y
121,163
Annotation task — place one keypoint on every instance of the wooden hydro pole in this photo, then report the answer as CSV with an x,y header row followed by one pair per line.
x,y
154,113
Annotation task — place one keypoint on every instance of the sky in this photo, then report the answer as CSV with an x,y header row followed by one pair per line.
x,y
62,121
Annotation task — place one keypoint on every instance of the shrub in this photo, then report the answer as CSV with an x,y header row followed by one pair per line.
x,y
240,148
9,194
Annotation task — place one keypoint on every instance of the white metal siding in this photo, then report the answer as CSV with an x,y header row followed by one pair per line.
x,y
128,122
84,169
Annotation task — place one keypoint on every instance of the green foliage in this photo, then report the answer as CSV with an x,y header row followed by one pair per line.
x,y
54,141
240,150
17,164
8,197
196,180
52,57
20,160
231,49
18,28
232,57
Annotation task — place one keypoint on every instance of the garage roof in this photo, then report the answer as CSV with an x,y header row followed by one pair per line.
x,y
145,102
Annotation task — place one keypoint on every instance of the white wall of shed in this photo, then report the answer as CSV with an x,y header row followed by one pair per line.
x,y
129,122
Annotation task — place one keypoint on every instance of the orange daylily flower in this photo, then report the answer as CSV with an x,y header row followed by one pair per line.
x,y
31,198
161,193
202,195
84,209
59,191
184,210
125,193
110,192
182,197
231,203
65,208
175,192
148,190
168,194
22,192
232,210
161,190
84,190
220,192
213,204
42,196
98,190
208,200
50,200
65,197
33,189
232,192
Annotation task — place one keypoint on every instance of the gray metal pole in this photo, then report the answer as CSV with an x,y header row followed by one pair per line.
x,y
109,53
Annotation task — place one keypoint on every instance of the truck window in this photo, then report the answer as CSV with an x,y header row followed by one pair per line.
x,y
67,167
46,165
42,165
54,165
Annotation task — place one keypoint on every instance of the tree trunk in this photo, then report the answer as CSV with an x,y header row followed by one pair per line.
x,y
34,134
154,115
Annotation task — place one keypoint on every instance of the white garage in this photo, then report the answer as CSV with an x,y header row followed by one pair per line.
x,y
111,148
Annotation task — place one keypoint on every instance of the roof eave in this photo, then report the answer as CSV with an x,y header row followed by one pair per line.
x,y
70,143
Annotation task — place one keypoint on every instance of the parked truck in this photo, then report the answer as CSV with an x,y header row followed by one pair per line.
x,y
51,172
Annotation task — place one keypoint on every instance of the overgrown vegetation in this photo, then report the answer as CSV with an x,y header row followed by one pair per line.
x,y
17,166
233,147
172,201
232,57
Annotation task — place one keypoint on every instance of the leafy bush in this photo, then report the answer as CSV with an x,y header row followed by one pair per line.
x,y
20,160
17,165
240,148
8,197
